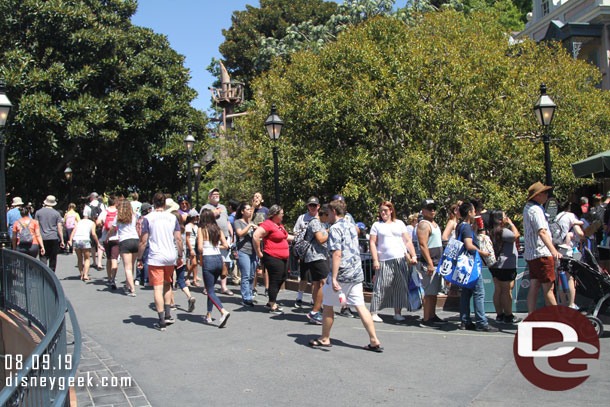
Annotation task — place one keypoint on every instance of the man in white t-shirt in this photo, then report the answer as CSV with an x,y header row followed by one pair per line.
x,y
161,231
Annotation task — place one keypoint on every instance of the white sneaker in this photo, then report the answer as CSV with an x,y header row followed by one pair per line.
x,y
398,317
576,307
376,318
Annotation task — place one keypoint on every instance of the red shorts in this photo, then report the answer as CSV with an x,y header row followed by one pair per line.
x,y
543,269
157,275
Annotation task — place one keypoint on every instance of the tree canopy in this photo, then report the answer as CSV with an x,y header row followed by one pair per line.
x,y
94,92
442,108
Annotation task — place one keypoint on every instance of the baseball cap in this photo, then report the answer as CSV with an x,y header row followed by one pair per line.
x,y
193,213
213,190
145,207
338,198
93,195
313,201
428,202
361,225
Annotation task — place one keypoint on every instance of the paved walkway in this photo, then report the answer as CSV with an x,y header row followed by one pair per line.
x,y
259,359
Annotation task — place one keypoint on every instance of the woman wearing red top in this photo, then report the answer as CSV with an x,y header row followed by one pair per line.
x,y
29,248
276,252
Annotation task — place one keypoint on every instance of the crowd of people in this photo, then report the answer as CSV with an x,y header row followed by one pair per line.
x,y
163,244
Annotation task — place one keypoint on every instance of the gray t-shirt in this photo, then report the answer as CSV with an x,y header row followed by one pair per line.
x,y
222,220
244,243
507,258
342,236
316,250
48,218
302,222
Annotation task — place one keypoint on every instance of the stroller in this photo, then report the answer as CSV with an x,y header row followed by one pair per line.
x,y
592,288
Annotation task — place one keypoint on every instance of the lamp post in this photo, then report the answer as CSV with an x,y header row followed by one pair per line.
x,y
5,108
197,172
68,174
544,110
274,128
189,142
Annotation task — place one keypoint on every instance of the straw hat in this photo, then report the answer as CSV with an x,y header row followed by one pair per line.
x,y
17,201
536,189
50,201
171,205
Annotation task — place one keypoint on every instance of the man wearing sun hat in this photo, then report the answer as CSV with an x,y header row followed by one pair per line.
x,y
540,253
51,230
13,215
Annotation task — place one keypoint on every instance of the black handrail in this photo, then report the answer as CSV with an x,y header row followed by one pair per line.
x,y
30,288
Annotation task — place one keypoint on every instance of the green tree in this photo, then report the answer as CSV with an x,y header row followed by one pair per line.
x,y
441,108
92,91
271,19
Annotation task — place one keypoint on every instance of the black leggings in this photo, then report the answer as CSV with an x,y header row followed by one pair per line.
x,y
277,269
51,249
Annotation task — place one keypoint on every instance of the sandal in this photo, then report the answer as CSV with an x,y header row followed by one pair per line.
x,y
315,343
228,292
372,348
86,278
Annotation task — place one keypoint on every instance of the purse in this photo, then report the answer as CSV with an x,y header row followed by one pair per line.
x,y
486,245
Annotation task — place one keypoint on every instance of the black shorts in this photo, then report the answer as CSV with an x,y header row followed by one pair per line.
x,y
318,269
504,274
112,249
129,246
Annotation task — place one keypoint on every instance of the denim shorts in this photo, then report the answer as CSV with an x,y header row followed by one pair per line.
x,y
82,244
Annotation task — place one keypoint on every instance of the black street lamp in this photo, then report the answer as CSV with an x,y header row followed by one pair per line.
x,y
545,110
68,174
274,128
189,142
5,108
197,172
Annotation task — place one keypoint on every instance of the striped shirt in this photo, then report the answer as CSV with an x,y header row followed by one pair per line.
x,y
534,219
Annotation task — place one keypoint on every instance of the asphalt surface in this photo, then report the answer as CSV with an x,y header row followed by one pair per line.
x,y
263,359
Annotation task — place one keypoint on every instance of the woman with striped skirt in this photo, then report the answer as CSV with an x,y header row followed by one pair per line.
x,y
392,252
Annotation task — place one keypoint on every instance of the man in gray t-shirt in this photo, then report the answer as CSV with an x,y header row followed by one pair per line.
x,y
222,220
51,230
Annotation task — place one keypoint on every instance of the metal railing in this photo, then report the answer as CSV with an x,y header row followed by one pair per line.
x,y
43,378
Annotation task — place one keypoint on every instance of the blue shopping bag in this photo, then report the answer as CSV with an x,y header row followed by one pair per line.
x,y
458,266
415,290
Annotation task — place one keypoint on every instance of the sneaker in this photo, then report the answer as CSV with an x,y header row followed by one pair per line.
x,y
574,306
207,320
137,282
427,324
191,304
500,317
398,317
277,310
173,307
169,321
223,319
131,294
298,304
376,318
159,327
512,319
247,303
113,284
487,328
315,318
438,321
254,293
346,312
468,327
266,294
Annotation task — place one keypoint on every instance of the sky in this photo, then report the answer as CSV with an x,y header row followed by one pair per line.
x,y
194,29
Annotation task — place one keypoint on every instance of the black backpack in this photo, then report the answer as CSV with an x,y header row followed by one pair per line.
x,y
24,235
96,211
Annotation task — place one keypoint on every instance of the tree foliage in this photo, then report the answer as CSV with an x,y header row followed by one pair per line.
x,y
240,48
94,92
441,108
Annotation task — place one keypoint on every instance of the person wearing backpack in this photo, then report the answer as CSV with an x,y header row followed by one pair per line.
x,y
71,218
51,229
93,210
111,243
570,235
300,229
26,234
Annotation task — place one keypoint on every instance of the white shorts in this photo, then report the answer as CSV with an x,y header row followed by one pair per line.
x,y
353,292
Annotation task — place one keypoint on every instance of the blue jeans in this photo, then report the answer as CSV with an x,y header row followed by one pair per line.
x,y
180,276
247,268
142,274
478,295
212,268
